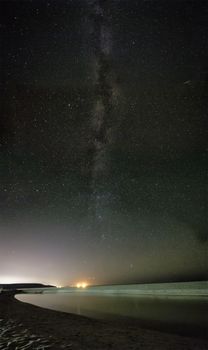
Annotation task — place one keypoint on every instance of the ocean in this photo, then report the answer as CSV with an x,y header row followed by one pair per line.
x,y
172,307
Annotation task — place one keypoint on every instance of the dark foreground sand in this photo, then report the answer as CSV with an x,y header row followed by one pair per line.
x,y
24,326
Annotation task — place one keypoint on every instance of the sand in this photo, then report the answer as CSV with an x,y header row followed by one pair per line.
x,y
25,326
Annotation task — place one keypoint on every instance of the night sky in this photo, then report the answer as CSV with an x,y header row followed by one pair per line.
x,y
103,147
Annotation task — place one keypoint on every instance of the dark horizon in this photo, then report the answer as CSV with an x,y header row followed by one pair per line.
x,y
42,285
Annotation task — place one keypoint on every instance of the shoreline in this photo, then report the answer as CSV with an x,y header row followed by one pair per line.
x,y
48,329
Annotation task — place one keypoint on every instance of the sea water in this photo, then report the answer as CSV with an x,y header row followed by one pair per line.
x,y
177,307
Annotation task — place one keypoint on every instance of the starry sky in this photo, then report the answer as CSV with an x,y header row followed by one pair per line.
x,y
103,146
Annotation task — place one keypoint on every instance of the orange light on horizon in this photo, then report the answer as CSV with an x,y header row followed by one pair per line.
x,y
81,285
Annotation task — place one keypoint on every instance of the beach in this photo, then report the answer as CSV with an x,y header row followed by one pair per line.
x,y
25,326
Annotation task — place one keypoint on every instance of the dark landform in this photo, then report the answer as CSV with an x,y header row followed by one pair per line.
x,y
16,286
